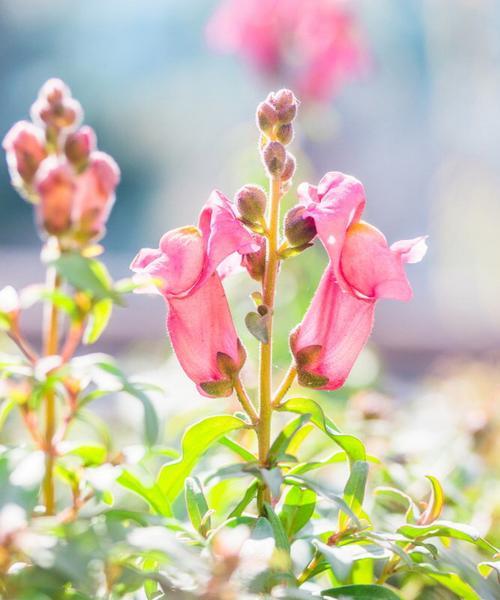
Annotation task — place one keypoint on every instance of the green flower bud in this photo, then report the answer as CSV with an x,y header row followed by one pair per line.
x,y
251,201
299,229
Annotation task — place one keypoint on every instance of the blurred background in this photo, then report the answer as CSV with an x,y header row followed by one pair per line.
x,y
412,111
403,95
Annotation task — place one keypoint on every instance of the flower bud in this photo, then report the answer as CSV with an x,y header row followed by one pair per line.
x,y
54,90
267,117
274,156
66,114
284,134
55,184
251,201
94,196
299,229
255,262
24,144
79,145
286,105
289,170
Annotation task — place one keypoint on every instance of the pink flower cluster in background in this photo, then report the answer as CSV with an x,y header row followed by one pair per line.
x,y
314,46
55,164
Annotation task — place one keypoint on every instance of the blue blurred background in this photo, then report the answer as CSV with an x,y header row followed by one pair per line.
x,y
421,129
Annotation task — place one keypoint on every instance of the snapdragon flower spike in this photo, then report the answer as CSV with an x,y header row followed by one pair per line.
x,y
362,269
199,321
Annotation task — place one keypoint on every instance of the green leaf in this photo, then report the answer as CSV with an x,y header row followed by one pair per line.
x,y
354,492
279,533
151,494
197,506
91,454
343,558
324,492
98,320
151,425
298,508
452,581
397,499
304,406
239,450
245,501
361,592
86,274
285,436
447,529
435,504
485,568
257,326
196,441
5,409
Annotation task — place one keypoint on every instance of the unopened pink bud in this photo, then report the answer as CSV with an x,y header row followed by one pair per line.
x,y
284,133
299,229
54,91
55,184
24,144
286,105
94,196
255,263
79,145
274,156
289,170
267,117
251,201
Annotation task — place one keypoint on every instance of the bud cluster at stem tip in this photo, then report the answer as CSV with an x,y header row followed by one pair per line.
x,y
55,164
275,120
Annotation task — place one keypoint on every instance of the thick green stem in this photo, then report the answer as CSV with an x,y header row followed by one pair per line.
x,y
266,350
51,340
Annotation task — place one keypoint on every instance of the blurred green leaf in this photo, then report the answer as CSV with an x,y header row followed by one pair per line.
x,y
98,320
195,442
279,533
6,407
447,529
485,568
435,503
197,506
86,274
304,406
354,492
91,454
343,558
451,581
323,491
249,495
361,592
151,494
298,507
397,499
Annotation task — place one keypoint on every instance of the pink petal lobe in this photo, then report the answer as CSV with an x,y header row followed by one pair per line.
x,y
372,269
200,326
340,324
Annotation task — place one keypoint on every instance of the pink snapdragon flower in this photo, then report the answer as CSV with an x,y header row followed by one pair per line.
x,y
315,44
24,144
362,269
186,270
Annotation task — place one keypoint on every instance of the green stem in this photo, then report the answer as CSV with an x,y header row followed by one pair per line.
x,y
51,339
285,386
266,350
245,402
